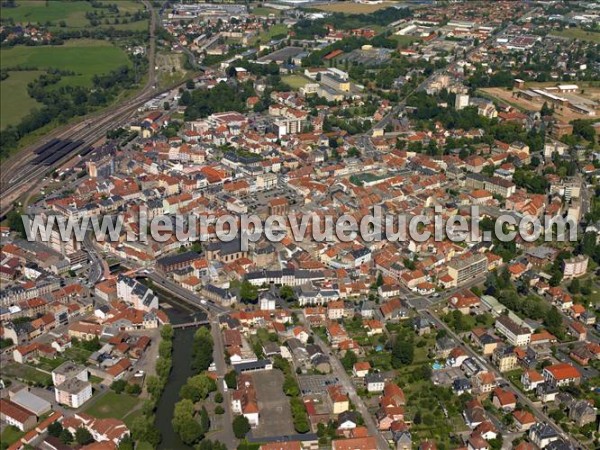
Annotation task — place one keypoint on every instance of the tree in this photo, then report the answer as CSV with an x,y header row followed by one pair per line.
x,y
191,431
126,443
211,445
218,397
54,429
287,293
166,332
546,110
553,319
402,353
219,410
349,360
202,350
575,287
248,292
133,389
417,418
66,437
241,427
379,281
231,379
118,386
197,388
496,443
184,424
204,420
15,222
290,386
154,386
83,436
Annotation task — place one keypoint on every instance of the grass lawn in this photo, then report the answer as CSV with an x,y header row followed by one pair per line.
x,y
295,81
170,69
72,13
144,446
129,418
578,33
112,405
85,57
95,380
276,30
77,354
50,364
263,11
27,374
403,41
352,8
10,435
15,103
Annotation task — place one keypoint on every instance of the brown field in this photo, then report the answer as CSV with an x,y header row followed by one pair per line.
x,y
565,114
351,7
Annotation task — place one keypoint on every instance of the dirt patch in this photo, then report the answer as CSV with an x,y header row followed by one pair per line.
x,y
562,113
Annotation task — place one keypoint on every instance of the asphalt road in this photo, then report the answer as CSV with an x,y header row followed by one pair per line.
x,y
165,283
346,382
225,435
96,264
19,175
541,416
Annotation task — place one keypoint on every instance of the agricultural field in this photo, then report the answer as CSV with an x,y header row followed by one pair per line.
x,y
15,103
73,14
85,57
295,81
578,33
352,8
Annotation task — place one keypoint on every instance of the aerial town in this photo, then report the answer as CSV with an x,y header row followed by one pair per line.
x,y
470,110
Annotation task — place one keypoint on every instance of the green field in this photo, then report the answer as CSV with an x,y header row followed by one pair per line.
x,y
295,81
112,405
15,103
72,13
403,41
578,33
264,11
10,435
27,374
266,36
85,57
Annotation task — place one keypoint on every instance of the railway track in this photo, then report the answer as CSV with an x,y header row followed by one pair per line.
x,y
21,173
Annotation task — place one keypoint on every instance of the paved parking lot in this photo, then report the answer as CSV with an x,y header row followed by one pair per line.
x,y
274,406
316,384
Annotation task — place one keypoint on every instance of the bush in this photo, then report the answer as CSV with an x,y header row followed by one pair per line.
x,y
241,427
219,410
118,386
133,389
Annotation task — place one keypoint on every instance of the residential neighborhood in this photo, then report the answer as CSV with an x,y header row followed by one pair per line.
x,y
169,330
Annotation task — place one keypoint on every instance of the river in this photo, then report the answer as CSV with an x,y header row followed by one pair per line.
x,y
182,355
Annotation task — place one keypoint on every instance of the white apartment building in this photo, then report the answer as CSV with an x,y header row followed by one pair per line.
x,y
515,334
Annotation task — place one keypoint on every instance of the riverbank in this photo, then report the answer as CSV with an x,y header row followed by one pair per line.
x,y
181,358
